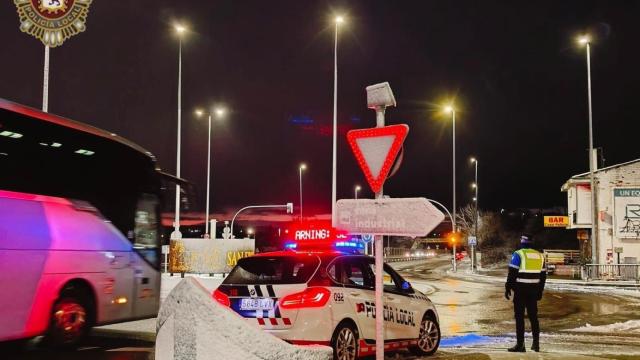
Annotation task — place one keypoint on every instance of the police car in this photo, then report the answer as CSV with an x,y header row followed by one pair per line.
x,y
327,297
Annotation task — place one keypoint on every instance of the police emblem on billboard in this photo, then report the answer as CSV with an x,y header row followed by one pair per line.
x,y
53,21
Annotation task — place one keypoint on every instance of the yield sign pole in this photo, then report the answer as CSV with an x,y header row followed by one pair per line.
x,y
379,96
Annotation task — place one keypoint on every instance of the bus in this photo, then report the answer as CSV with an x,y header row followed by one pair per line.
x,y
79,227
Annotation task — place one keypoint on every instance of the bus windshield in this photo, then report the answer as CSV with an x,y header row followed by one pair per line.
x,y
62,158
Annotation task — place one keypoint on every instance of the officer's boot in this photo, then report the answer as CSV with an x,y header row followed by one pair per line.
x,y
536,345
519,347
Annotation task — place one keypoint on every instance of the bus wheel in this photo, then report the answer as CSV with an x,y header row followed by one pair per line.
x,y
70,319
429,338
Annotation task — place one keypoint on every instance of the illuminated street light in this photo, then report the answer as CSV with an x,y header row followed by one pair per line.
x,y
586,41
473,185
355,190
338,20
475,200
219,112
449,109
180,30
250,232
302,167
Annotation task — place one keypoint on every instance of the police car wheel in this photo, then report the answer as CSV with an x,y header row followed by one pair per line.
x,y
429,337
345,342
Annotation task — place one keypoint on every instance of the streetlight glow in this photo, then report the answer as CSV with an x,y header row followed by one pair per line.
x,y
473,160
303,166
180,29
473,185
199,112
448,109
584,39
220,111
339,19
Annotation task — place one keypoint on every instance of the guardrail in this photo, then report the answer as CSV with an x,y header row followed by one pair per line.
x,y
624,272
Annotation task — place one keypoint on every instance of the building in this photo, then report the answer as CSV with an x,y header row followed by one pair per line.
x,y
618,208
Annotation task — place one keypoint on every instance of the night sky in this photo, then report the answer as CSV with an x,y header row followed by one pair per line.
x,y
514,68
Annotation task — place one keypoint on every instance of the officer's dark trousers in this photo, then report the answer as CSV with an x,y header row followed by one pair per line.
x,y
526,297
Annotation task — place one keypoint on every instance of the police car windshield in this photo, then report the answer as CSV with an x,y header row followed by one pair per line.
x,y
273,270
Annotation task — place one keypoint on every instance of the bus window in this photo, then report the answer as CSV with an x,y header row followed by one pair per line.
x,y
146,240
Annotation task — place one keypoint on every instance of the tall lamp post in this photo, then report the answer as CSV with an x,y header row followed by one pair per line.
x,y
450,109
219,112
302,167
180,31
338,20
355,191
586,41
475,199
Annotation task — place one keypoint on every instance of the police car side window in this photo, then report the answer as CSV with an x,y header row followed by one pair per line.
x,y
354,274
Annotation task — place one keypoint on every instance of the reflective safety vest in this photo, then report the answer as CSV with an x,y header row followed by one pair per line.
x,y
531,265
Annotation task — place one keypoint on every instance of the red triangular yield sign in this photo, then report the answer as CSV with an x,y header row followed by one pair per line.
x,y
376,149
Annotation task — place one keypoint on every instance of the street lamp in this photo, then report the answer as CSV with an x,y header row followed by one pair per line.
x,y
338,20
355,190
451,110
180,31
219,112
302,166
475,200
585,40
249,232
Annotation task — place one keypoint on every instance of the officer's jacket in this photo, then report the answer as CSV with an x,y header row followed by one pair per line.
x,y
527,270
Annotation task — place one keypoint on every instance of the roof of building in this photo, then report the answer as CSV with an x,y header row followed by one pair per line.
x,y
584,177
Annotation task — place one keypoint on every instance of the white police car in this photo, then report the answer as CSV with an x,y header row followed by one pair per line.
x,y
313,297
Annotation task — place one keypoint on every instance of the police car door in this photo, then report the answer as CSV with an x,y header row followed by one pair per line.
x,y
359,291
403,307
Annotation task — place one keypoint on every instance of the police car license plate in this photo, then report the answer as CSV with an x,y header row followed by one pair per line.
x,y
256,304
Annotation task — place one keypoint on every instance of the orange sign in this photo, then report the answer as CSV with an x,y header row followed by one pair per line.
x,y
556,221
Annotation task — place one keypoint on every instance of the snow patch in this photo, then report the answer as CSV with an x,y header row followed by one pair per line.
x,y
629,327
192,326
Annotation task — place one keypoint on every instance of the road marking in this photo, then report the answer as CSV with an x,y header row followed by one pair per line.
x,y
558,296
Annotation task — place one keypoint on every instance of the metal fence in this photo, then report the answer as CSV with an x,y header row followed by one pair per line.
x,y
628,272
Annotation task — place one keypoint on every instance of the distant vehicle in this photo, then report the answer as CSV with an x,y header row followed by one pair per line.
x,y
460,256
79,227
327,297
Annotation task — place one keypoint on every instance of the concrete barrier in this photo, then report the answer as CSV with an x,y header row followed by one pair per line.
x,y
193,326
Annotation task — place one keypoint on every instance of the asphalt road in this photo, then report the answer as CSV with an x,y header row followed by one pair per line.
x,y
476,321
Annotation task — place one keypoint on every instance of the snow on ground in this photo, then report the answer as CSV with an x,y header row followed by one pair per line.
x,y
194,326
629,327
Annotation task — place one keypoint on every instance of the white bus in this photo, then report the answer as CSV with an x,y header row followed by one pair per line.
x,y
79,227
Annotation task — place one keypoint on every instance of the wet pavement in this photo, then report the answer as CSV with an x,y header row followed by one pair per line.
x,y
475,317
94,348
476,322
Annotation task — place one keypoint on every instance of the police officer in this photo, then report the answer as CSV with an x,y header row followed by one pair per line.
x,y
527,276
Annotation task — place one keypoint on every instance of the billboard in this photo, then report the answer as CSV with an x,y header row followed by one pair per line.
x,y
626,204
556,221
208,256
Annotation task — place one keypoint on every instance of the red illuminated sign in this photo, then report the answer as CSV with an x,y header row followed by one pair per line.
x,y
315,230
376,149
313,234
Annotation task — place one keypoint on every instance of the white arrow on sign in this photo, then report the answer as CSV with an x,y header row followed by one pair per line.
x,y
401,217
